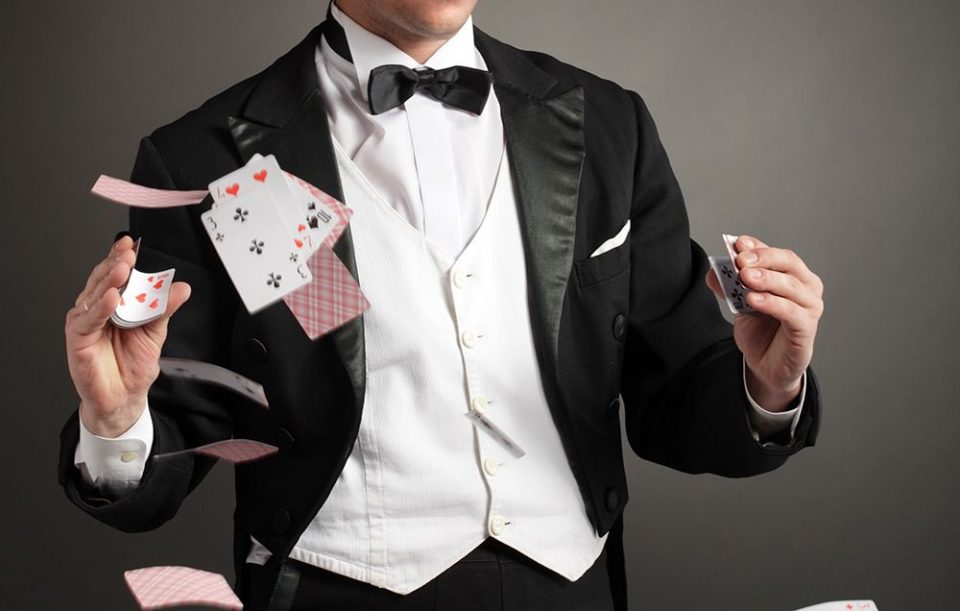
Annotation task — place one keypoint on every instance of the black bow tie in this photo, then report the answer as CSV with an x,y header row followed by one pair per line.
x,y
392,85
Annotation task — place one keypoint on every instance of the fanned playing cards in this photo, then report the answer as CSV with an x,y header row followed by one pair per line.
x,y
274,233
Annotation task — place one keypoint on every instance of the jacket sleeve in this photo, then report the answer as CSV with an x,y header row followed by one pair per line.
x,y
184,415
682,385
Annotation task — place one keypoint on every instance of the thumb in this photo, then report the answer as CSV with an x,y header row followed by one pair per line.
x,y
157,329
714,283
179,294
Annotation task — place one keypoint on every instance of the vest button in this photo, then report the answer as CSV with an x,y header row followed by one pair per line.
x,y
460,278
479,404
619,326
469,339
256,350
497,525
281,520
490,465
611,499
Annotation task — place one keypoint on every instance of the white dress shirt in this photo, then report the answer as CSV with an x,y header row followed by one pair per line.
x,y
436,168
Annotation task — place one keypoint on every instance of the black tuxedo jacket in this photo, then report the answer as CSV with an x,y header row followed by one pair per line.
x,y
637,321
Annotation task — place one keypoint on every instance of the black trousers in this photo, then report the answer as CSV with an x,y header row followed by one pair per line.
x,y
493,577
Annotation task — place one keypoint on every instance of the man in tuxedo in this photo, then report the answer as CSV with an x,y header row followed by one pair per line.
x,y
525,247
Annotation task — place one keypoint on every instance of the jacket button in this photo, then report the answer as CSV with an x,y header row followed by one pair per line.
x,y
281,520
611,499
619,326
256,350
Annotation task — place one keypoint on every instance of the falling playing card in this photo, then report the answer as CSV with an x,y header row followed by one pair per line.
x,y
213,374
843,605
264,173
236,451
129,194
162,587
144,299
261,257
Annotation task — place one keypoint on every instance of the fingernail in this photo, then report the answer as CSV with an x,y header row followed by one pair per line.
x,y
754,273
759,297
750,257
747,242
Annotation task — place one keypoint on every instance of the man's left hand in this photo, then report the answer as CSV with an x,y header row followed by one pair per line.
x,y
777,347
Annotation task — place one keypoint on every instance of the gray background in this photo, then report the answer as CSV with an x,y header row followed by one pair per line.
x,y
826,126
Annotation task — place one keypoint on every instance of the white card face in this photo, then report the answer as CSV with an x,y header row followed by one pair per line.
x,y
213,374
144,299
262,258
265,173
734,292
843,605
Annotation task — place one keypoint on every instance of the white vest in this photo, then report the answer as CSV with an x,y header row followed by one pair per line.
x,y
423,485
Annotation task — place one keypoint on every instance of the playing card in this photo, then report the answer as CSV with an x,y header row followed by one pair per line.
x,y
734,292
144,299
163,587
238,451
265,173
231,450
213,374
263,260
487,426
129,194
843,605
728,242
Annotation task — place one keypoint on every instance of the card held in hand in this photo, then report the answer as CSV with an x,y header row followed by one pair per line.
x,y
257,249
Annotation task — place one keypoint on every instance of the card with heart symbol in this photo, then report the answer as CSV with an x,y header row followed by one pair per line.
x,y
264,173
143,299
262,259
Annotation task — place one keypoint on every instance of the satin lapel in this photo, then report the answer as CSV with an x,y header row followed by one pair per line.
x,y
303,147
546,149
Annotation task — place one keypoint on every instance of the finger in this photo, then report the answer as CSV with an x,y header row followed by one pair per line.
x,y
748,242
92,319
714,283
779,283
776,259
791,315
124,255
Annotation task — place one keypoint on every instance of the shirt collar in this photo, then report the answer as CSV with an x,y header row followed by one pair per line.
x,y
369,50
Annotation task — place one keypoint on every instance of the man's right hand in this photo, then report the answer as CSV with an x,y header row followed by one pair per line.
x,y
113,368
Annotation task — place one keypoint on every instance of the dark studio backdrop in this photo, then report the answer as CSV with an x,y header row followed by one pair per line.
x,y
826,126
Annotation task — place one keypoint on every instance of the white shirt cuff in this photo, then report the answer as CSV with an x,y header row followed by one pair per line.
x,y
767,423
115,464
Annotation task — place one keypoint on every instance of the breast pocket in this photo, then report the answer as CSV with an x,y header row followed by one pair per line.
x,y
610,264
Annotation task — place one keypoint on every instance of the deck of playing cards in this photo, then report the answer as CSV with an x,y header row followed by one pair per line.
x,y
734,292
265,227
143,299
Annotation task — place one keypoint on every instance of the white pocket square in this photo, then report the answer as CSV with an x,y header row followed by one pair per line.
x,y
613,242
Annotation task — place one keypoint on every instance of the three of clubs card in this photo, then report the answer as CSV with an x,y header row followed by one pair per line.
x,y
252,228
